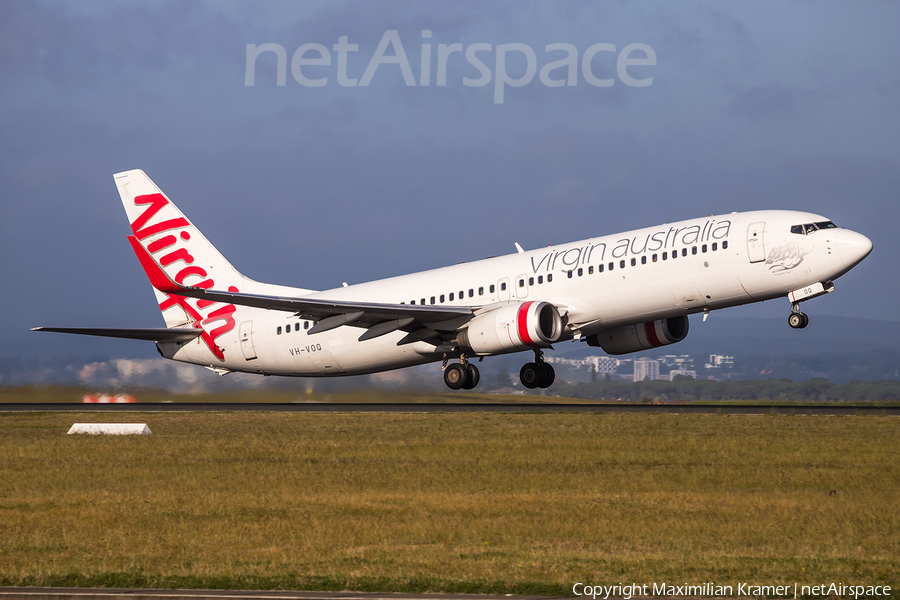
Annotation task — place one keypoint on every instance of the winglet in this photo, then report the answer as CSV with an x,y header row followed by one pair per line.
x,y
157,276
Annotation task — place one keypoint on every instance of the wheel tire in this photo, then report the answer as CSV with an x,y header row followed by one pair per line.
x,y
549,375
456,376
473,379
795,320
530,375
805,320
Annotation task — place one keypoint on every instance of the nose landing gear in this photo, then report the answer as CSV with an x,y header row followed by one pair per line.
x,y
537,374
797,319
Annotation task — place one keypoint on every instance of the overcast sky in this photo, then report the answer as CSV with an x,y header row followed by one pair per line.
x,y
753,105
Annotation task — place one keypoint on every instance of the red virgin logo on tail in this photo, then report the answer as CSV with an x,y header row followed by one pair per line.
x,y
168,250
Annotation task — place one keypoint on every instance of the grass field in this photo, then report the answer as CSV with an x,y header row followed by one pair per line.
x,y
521,503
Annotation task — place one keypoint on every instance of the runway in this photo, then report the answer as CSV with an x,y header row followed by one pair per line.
x,y
546,407
25,593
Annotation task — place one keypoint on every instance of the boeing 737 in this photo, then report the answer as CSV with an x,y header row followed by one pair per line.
x,y
623,293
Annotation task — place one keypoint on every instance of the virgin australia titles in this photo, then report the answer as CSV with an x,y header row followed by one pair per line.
x,y
308,60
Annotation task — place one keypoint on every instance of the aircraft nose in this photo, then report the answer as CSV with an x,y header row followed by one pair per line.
x,y
852,247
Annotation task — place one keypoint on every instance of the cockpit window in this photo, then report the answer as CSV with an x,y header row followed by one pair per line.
x,y
808,228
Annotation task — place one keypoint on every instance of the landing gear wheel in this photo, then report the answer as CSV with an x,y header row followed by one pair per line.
x,y
473,379
531,375
549,375
456,376
798,320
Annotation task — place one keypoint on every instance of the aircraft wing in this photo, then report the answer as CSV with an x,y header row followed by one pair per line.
x,y
153,335
378,318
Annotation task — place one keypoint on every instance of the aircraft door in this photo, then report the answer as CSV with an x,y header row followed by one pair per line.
x,y
503,289
246,333
756,248
521,286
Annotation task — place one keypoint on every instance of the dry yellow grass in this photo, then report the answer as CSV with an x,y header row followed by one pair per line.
x,y
481,502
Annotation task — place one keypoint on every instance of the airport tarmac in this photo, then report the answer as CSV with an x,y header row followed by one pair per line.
x,y
730,409
25,593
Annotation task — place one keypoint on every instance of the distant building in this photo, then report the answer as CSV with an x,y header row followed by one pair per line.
x,y
645,368
717,360
683,372
679,361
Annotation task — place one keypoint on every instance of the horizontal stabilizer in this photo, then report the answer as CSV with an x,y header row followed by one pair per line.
x,y
152,335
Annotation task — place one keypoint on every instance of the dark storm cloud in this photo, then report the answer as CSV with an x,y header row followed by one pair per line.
x,y
752,106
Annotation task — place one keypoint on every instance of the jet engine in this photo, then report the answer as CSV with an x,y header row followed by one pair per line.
x,y
643,336
513,327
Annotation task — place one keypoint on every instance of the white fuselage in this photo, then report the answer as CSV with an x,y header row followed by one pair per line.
x,y
601,283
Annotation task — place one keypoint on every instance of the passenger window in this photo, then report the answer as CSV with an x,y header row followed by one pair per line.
x,y
423,301
693,250
654,258
549,278
665,255
633,262
462,294
432,299
611,266
287,328
715,246
703,248
570,273
591,270
306,323
412,301
521,283
442,298
600,268
472,292
531,281
643,260
725,245
684,251
540,279
451,296
278,331
580,271
503,287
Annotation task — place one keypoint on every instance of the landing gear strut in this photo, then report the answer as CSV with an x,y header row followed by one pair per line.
x,y
797,319
462,375
537,374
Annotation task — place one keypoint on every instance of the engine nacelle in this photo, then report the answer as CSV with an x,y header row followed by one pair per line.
x,y
513,327
644,336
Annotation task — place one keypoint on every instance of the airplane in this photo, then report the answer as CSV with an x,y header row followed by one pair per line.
x,y
622,293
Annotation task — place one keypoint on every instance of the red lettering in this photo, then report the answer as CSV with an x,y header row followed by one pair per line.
x,y
180,254
156,202
187,272
163,242
163,226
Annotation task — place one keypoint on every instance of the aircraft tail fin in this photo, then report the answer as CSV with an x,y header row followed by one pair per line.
x,y
182,251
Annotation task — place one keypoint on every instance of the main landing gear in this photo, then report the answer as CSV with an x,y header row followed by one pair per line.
x,y
537,374
797,319
461,375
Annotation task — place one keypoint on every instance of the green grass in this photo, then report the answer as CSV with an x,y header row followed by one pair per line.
x,y
523,503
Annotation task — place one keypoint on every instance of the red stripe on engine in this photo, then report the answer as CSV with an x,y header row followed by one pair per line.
x,y
522,322
650,328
